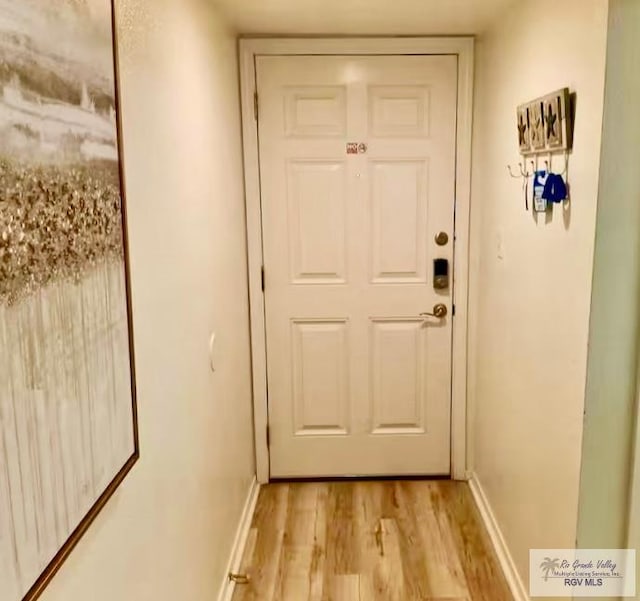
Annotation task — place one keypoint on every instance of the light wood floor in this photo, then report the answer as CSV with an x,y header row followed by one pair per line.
x,y
369,541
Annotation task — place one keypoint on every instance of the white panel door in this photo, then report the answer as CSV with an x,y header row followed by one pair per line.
x,y
358,382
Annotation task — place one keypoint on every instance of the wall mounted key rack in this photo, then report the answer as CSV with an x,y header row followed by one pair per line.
x,y
544,128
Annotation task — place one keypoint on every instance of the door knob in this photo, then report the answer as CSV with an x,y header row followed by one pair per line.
x,y
439,310
442,238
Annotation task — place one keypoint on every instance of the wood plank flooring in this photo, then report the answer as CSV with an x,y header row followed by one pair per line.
x,y
403,540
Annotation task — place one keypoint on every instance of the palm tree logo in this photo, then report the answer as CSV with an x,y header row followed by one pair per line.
x,y
549,565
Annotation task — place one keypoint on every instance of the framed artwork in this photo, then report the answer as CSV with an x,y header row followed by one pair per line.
x,y
557,119
68,425
524,132
546,124
536,117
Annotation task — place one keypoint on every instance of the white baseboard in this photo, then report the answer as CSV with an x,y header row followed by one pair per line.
x,y
518,589
235,559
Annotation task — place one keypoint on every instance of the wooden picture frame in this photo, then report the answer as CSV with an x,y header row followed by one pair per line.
x,y
65,292
536,117
545,124
524,129
558,124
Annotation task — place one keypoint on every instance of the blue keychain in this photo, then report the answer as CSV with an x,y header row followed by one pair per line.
x,y
540,179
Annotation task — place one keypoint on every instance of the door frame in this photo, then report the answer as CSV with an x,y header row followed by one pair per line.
x,y
463,48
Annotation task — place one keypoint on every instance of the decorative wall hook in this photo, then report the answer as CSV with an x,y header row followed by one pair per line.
x,y
566,164
523,172
511,172
548,164
524,176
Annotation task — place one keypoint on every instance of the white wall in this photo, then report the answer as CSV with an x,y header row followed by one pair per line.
x,y
532,286
613,340
167,533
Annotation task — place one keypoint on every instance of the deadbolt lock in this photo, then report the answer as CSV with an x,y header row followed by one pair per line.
x,y
442,238
441,282
439,310
440,274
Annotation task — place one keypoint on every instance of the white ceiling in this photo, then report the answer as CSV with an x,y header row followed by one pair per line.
x,y
357,17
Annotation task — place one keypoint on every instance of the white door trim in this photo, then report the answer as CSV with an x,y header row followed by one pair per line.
x,y
463,48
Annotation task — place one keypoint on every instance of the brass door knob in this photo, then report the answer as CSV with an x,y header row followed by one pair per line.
x,y
439,310
442,238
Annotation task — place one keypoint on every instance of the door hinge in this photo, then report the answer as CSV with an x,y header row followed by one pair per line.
x,y
255,105
262,277
268,436
453,310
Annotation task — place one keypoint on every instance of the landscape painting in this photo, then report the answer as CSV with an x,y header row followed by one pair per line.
x,y
68,432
